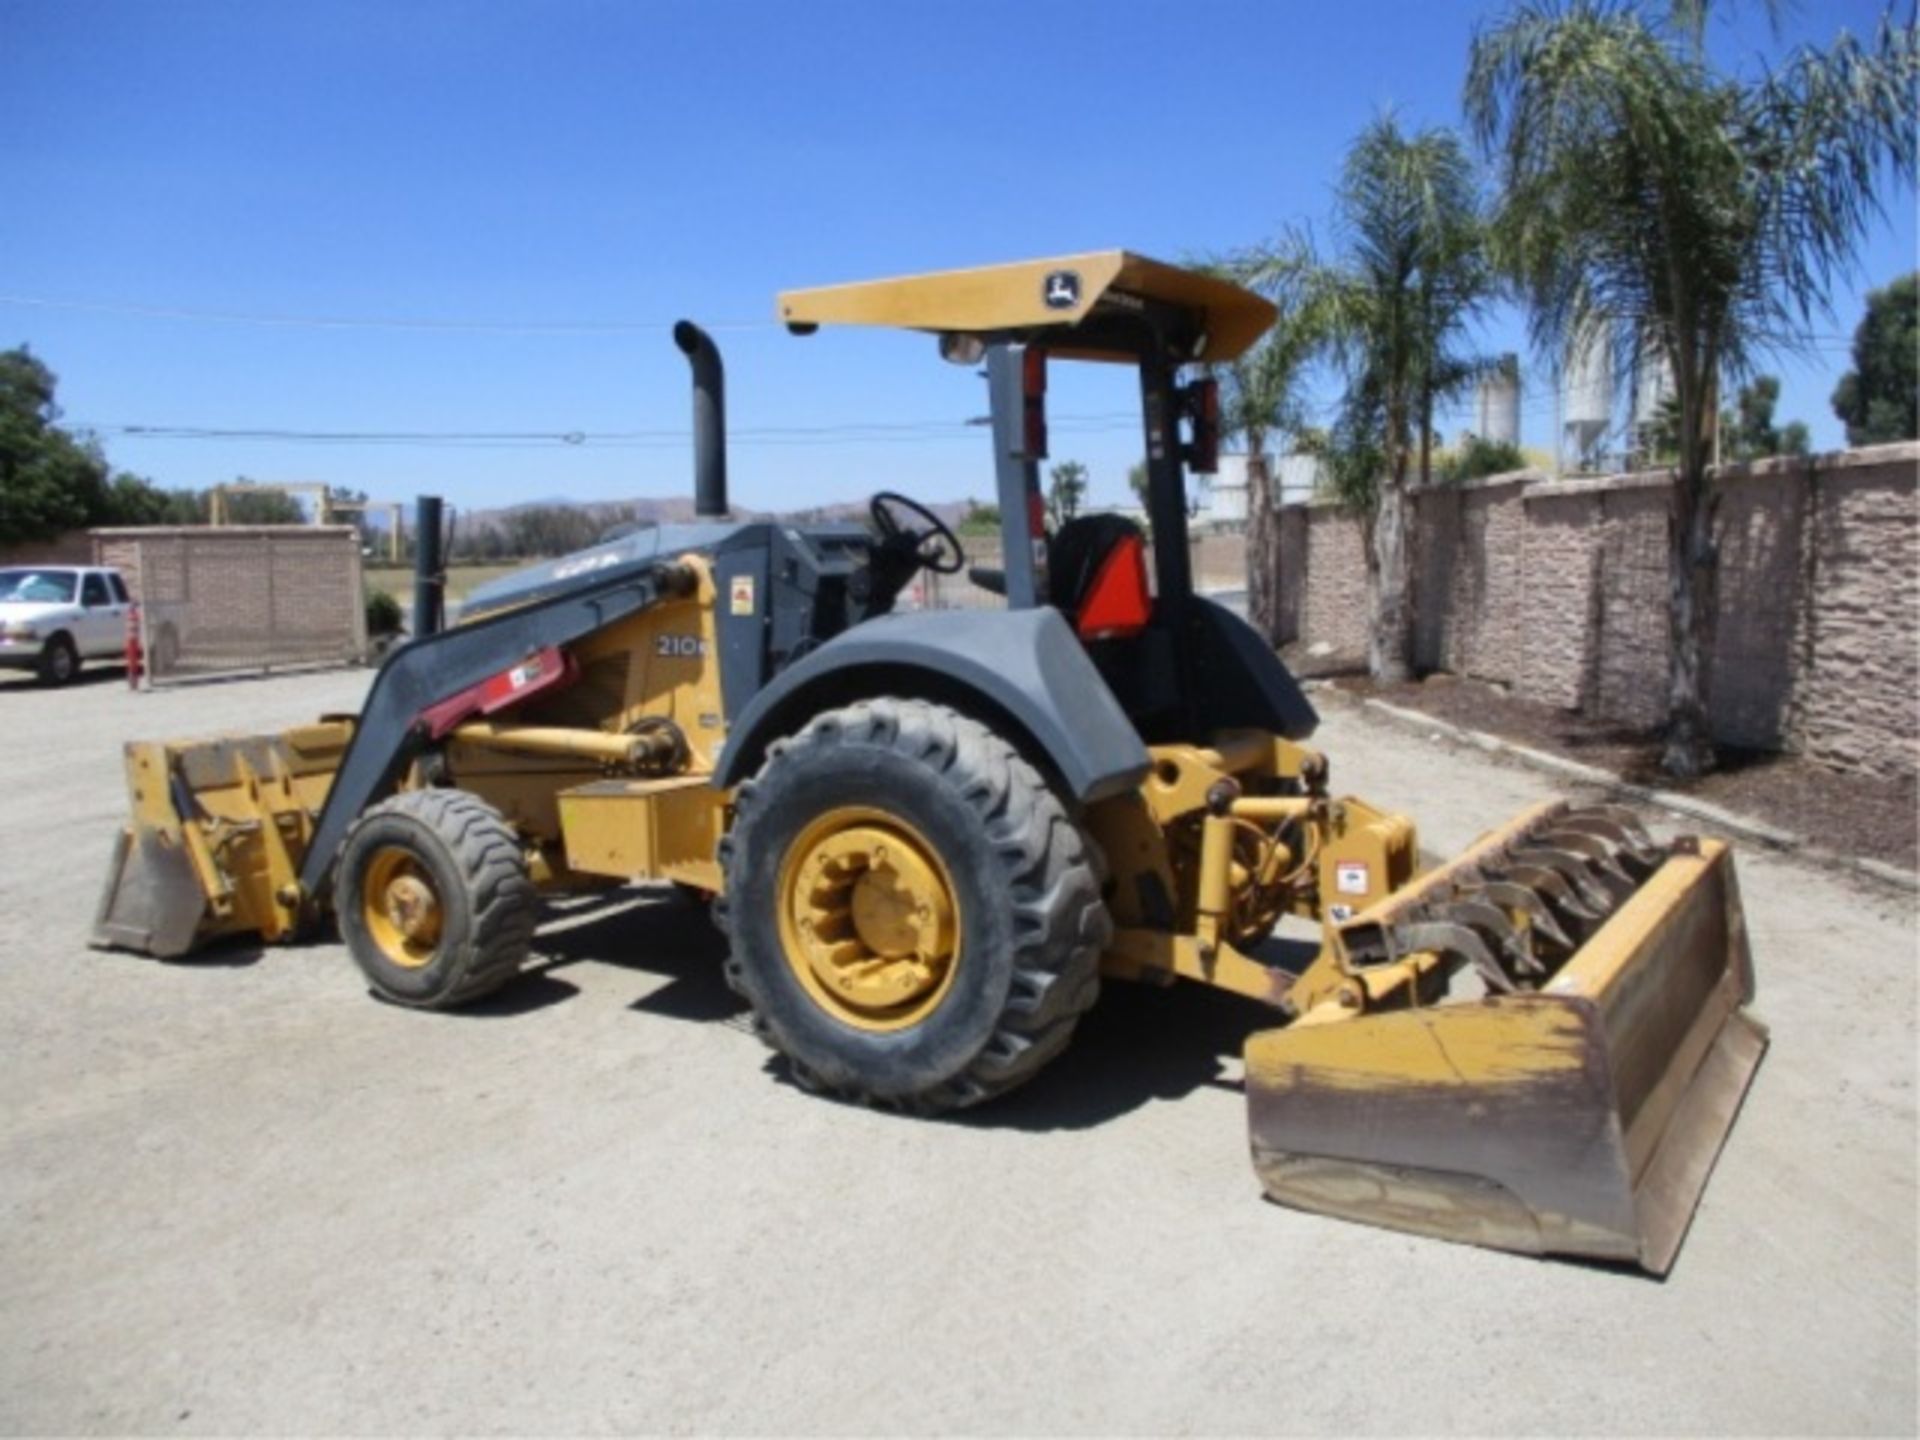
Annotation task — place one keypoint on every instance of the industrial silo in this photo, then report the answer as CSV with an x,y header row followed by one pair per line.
x,y
1498,403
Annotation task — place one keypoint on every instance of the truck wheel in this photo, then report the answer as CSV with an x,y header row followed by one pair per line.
x,y
912,914
434,898
59,661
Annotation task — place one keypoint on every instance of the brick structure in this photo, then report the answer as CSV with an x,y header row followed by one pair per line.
x,y
216,600
73,547
1559,590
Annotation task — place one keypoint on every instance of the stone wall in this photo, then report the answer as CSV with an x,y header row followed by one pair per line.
x,y
1559,590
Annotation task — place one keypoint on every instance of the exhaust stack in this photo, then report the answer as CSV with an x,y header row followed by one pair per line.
x,y
709,419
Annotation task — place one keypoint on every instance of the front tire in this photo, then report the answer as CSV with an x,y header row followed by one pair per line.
x,y
434,898
59,662
913,916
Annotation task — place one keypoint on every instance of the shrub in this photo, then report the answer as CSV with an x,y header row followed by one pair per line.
x,y
384,616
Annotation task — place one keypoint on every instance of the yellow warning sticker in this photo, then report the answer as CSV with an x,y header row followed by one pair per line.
x,y
741,599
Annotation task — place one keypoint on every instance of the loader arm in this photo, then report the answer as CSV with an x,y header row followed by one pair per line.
x,y
436,669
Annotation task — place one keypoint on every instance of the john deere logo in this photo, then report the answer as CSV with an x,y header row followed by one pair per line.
x,y
1062,290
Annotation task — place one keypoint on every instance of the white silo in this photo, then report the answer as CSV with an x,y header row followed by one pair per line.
x,y
1652,386
1498,403
1586,396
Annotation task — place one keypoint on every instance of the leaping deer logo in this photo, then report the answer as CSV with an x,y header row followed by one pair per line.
x,y
1062,290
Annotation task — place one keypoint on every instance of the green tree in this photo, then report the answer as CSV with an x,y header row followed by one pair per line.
x,y
1137,482
1480,457
1412,276
132,500
1879,399
1066,488
258,507
50,481
1687,213
1260,398
1748,429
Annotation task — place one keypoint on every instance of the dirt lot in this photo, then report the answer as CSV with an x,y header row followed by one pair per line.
x,y
239,1196
1876,819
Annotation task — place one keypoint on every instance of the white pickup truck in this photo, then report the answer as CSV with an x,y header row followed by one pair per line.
x,y
54,617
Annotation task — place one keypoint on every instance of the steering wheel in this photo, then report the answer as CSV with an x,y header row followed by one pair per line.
x,y
944,558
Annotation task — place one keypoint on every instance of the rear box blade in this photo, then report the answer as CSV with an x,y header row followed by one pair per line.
x,y
1579,1119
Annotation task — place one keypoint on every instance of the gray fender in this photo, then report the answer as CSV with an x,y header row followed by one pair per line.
x,y
1025,665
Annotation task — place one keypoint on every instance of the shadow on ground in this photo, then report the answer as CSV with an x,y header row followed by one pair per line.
x,y
654,931
1140,1043
93,672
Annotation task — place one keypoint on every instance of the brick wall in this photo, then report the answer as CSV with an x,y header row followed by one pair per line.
x,y
1323,578
72,548
242,597
1559,589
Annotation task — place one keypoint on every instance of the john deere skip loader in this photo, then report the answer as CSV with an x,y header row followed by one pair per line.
x,y
932,836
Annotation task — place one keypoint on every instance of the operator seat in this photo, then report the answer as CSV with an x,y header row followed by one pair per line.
x,y
1097,571
1096,576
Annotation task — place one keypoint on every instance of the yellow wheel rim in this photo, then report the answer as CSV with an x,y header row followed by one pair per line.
x,y
400,908
868,921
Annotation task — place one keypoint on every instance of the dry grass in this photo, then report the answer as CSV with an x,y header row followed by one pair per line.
x,y
397,580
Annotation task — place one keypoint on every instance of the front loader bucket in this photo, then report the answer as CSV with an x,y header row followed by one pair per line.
x,y
216,837
1578,1111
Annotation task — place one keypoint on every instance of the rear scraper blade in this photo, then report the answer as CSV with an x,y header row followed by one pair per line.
x,y
1582,1117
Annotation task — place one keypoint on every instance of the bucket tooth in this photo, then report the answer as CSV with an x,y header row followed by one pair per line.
x,y
1446,937
1574,870
1515,897
1486,918
1624,820
1560,897
1631,851
1599,857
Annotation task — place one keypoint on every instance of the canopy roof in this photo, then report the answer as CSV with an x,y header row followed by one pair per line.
x,y
1047,295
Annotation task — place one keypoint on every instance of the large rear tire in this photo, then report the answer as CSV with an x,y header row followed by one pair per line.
x,y
912,914
434,898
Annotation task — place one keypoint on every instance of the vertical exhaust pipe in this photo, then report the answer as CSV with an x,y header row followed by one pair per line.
x,y
429,569
709,419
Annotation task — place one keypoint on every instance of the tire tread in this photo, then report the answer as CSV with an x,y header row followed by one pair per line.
x,y
493,870
1052,869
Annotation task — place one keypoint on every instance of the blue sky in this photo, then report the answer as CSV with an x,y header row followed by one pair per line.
x,y
572,174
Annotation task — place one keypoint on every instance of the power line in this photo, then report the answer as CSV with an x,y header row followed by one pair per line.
x,y
843,433
357,322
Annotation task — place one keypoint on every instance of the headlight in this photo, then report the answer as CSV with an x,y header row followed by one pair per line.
x,y
19,632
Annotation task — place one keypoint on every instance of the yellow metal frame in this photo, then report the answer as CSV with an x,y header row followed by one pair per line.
x,y
993,298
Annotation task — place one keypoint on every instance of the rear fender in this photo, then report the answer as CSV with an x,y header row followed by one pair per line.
x,y
1022,669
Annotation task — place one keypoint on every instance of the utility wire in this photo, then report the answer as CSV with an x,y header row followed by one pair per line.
x,y
851,432
351,322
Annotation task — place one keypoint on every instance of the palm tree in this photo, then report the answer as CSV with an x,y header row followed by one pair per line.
x,y
1690,214
1260,396
1413,275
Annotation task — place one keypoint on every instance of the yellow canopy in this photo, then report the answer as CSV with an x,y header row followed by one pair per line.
x,y
1054,294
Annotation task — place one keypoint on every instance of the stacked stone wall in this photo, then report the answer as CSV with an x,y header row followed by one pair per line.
x,y
1559,590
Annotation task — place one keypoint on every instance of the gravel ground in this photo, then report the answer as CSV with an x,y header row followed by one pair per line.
x,y
236,1195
